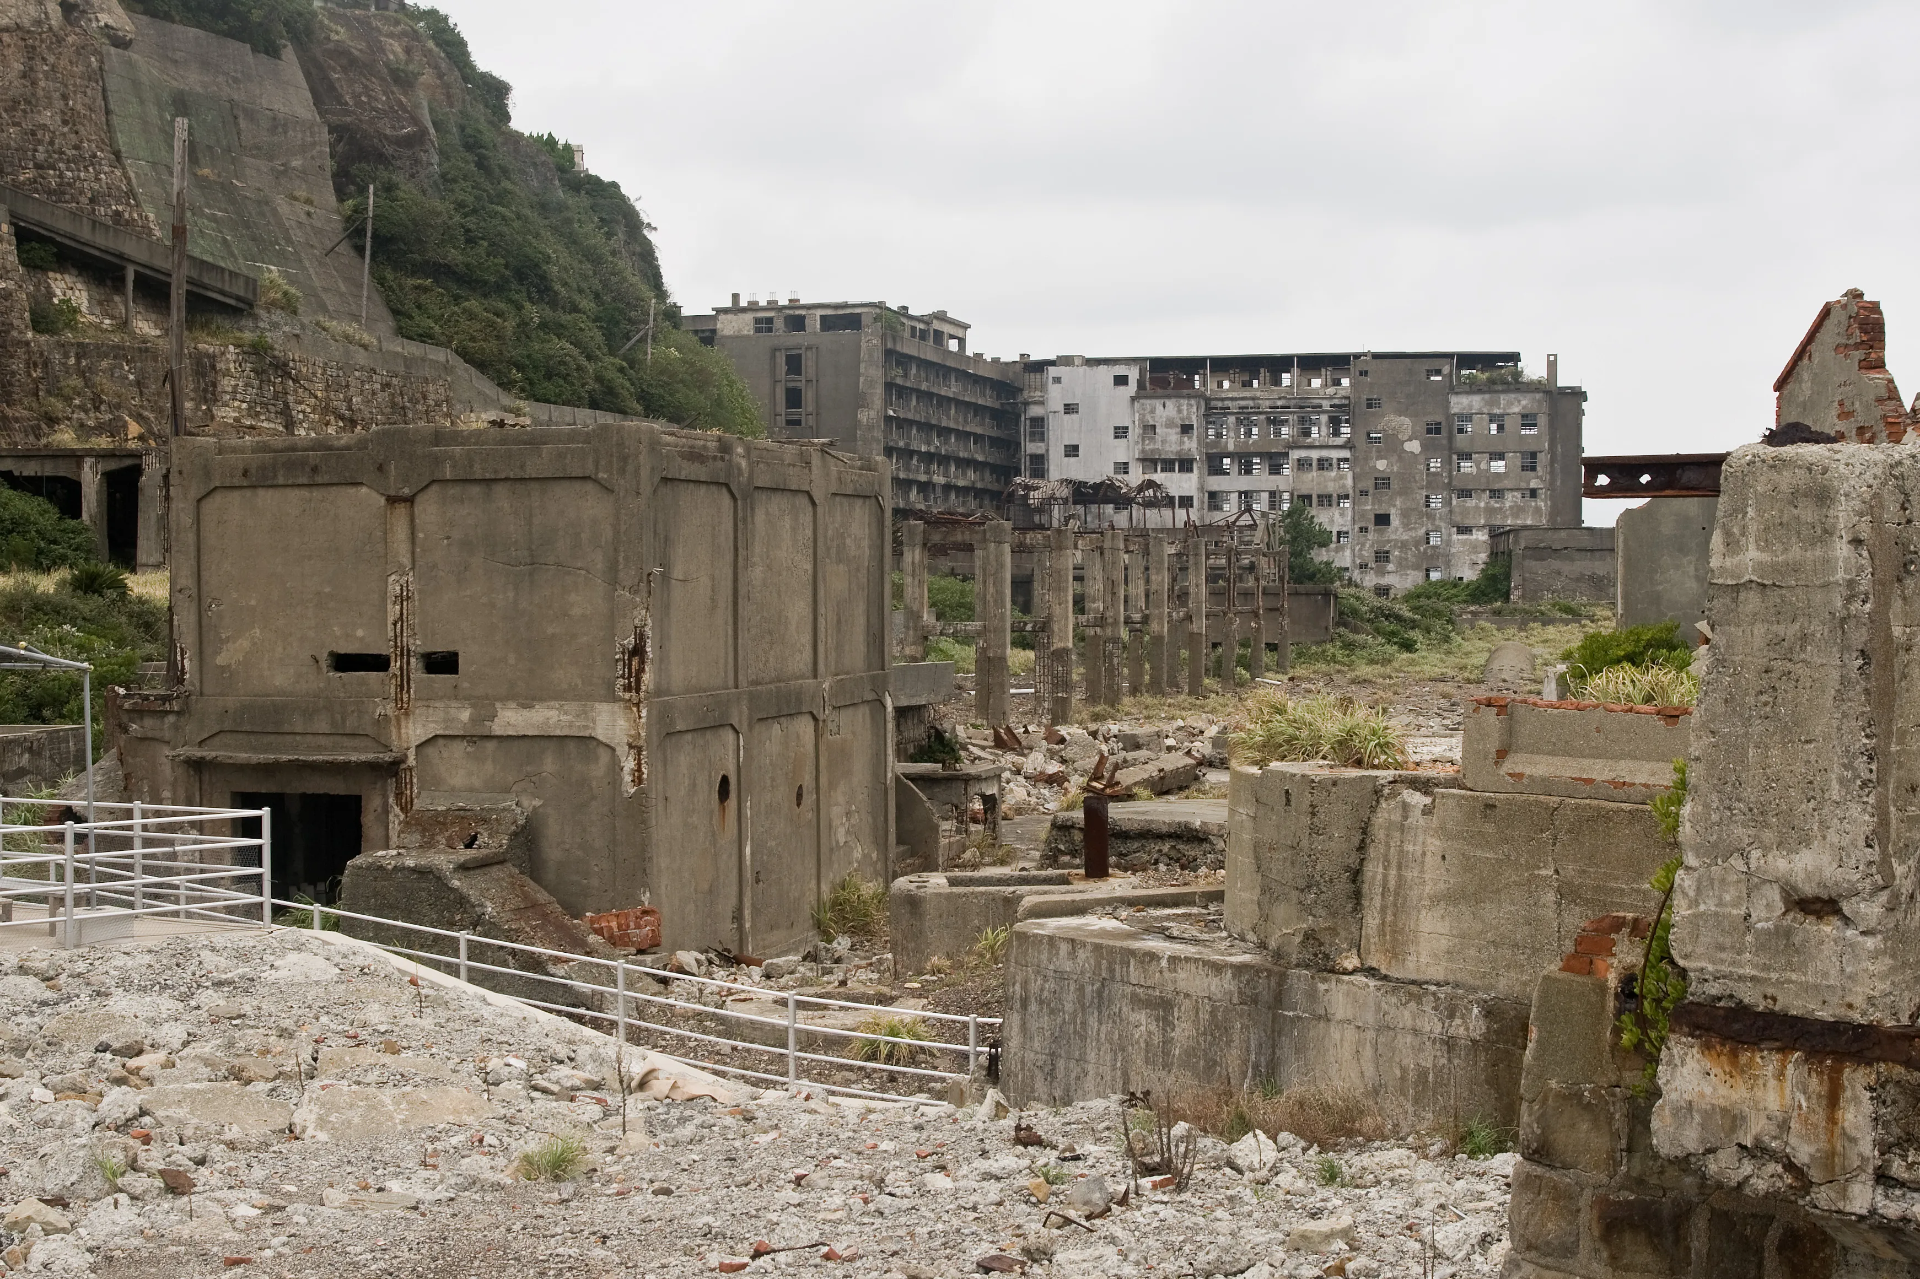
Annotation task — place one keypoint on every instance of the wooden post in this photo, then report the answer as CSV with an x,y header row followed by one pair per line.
x,y
177,300
1196,613
1136,634
993,602
366,259
1060,626
1114,559
1160,681
913,584
1093,585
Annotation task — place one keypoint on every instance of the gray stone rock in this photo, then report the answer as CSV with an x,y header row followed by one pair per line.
x,y
1090,1197
1510,663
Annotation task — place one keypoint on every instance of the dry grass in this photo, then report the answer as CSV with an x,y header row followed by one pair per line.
x,y
1331,728
854,907
1461,661
557,1158
1320,1115
152,585
1650,685
901,1045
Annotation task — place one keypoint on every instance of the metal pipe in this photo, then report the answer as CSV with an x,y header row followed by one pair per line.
x,y
266,868
67,936
793,1067
463,956
620,1006
1094,835
139,849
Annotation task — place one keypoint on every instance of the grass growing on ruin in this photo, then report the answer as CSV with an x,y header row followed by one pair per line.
x,y
900,1047
1483,1139
1459,656
1331,728
1318,1114
990,947
1654,684
557,1158
854,907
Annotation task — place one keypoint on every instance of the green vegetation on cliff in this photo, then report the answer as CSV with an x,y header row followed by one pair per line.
x,y
537,274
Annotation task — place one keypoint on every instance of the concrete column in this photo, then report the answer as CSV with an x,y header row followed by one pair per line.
x,y
93,503
1114,561
1136,635
1060,626
1236,618
1160,682
1283,635
993,606
1196,613
913,572
1257,659
1093,586
151,542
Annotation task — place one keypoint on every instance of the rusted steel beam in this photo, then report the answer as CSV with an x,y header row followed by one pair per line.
x,y
1656,475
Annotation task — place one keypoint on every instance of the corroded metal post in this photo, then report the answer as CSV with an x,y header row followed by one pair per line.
x,y
1093,832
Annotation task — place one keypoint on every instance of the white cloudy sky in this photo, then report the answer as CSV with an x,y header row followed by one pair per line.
x,y
1662,193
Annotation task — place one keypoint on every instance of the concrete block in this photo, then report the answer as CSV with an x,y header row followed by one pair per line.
x,y
1095,1007
1579,1127
921,683
1543,1215
1188,834
1583,750
1571,1040
1661,549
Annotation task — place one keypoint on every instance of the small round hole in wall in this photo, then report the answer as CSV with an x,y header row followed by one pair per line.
x,y
726,788
799,796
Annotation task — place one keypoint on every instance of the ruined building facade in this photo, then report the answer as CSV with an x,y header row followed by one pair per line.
x,y
880,381
667,648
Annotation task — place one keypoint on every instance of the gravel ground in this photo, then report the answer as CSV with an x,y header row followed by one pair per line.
x,y
393,1149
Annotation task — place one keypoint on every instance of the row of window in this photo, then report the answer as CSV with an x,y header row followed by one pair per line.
x,y
849,323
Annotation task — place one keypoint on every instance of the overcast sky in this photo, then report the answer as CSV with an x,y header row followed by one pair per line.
x,y
1661,193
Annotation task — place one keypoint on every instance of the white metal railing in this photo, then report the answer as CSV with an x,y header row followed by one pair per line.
x,y
130,861
618,988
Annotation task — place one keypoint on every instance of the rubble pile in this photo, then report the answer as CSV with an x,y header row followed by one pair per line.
x,y
304,1104
1045,765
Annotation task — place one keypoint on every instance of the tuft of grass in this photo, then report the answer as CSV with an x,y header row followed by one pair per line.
x,y
1483,1139
111,1167
854,907
278,295
557,1158
304,918
1654,684
990,947
900,1045
1331,728
1052,1174
1328,1172
98,579
1319,1115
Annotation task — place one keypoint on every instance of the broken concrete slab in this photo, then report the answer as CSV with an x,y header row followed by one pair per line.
x,y
242,1106
1182,834
1583,750
348,1113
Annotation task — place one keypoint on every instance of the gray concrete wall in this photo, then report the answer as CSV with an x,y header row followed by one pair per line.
x,y
1558,563
671,652
1521,745
1095,1008
1661,548
1312,613
37,756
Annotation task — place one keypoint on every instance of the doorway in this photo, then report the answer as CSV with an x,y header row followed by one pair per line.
x,y
314,837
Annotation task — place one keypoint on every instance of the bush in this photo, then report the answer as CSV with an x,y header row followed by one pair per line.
x,y
54,319
1319,728
33,534
267,25
98,579
950,598
1492,586
1305,535
1636,646
1651,685
854,907
278,295
37,255
113,632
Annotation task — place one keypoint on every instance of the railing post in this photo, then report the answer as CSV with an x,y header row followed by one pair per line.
x,y
315,911
793,1062
67,936
620,1009
463,956
266,868
973,1044
139,848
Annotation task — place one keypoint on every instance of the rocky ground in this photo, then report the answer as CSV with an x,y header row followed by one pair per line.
x,y
297,1105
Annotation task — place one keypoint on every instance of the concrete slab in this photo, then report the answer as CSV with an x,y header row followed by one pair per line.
x,y
1186,834
1583,750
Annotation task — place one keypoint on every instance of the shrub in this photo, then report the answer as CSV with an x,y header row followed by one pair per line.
x,y
37,255
33,534
1329,728
557,1158
1636,646
990,947
899,1048
854,907
1305,535
1651,685
98,579
1492,586
54,319
950,598
278,295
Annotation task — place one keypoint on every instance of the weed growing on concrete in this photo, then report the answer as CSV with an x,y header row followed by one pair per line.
x,y
990,947
303,918
1052,1174
1483,1139
111,1168
557,1158
1330,728
1319,1115
899,1047
1658,987
278,295
1667,804
854,907
1654,684
1328,1172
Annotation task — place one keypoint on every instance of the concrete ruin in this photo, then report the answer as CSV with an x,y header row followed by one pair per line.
x,y
1780,1139
1381,933
667,648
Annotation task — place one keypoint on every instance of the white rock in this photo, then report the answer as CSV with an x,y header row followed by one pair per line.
x,y
992,1107
1315,1236
936,1182
31,1212
1254,1152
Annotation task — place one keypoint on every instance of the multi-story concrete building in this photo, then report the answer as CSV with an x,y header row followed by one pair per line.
x,y
1411,458
880,381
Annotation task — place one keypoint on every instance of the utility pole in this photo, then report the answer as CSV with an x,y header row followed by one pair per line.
x,y
177,312
649,330
366,258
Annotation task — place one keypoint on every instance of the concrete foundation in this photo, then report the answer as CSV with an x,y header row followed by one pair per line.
x,y
1583,750
1180,834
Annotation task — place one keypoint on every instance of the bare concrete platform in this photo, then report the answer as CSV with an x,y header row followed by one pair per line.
x,y
1187,834
33,929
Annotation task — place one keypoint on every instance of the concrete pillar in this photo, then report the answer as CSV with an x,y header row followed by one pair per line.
x,y
1136,634
1236,618
1060,626
1196,613
1257,626
1160,682
151,539
1093,585
913,572
93,503
993,606
1283,624
1114,594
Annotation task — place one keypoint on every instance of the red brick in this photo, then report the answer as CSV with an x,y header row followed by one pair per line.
x,y
1616,922
1601,968
1580,964
1592,944
1641,927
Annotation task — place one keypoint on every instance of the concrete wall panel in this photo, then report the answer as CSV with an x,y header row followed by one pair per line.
x,y
856,780
568,785
286,576
697,838
1661,553
780,586
498,580
694,619
856,551
783,821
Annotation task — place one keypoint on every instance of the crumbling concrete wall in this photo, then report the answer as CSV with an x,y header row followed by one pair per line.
x,y
1837,380
1661,548
1557,563
1583,750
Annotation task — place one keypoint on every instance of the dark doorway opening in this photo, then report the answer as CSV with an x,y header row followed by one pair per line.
x,y
58,489
314,837
123,515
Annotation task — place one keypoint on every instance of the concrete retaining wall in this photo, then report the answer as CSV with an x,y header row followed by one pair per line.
x,y
1095,1007
1558,563
36,756
1582,750
1661,550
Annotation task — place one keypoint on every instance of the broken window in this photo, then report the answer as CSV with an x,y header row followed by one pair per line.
x,y
1463,463
1382,483
1150,430
1322,464
1529,424
1120,379
1383,558
1122,431
1339,425
1036,430
1283,499
1036,466
440,662
1434,464
1247,428
1279,464
1464,530
794,323
1529,461
1433,573
794,395
793,421
1436,428
763,324
1186,466
1432,501
795,363
1497,463
1186,428
1070,409
1250,464
1341,537
939,338
1216,500
848,323
1342,500
1382,519
1433,537
348,663
1219,464
1533,493
1463,495
1373,401
1436,375
1216,428
1463,424
1121,468
1323,499
705,336
1496,495
1056,380
1376,437
1343,464
1186,501
1496,424
1250,499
